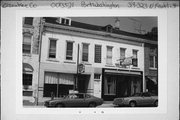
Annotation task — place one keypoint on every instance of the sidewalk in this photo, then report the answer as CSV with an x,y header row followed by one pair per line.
x,y
106,104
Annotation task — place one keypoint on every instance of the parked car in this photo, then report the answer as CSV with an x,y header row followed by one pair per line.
x,y
75,100
138,99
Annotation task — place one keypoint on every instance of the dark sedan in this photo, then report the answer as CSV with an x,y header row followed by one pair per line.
x,y
75,100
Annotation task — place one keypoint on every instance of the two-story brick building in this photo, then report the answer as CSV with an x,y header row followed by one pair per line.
x,y
113,60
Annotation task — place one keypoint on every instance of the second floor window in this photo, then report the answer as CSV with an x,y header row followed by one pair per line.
x,y
52,49
109,55
122,53
28,20
97,57
27,43
135,58
153,61
85,53
69,51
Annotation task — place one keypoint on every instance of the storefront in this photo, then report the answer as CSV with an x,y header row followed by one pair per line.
x,y
120,83
58,84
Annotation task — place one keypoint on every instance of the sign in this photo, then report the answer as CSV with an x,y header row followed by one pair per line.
x,y
127,61
81,68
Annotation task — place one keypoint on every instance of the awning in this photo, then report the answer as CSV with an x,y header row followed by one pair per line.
x,y
123,72
27,67
152,78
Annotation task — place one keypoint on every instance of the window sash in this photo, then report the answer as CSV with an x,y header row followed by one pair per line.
x,y
85,53
97,58
153,61
52,49
27,79
135,58
109,55
69,51
26,43
122,53
26,48
28,20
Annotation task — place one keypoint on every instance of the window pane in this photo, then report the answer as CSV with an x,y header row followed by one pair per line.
x,y
26,48
97,58
109,55
122,53
85,52
151,58
135,58
52,49
27,79
26,43
28,20
69,51
97,76
156,62
110,85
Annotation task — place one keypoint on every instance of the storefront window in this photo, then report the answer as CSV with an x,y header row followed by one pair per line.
x,y
58,84
110,86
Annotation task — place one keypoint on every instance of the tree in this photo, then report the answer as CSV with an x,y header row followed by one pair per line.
x,y
153,34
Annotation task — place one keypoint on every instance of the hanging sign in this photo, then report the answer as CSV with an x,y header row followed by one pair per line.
x,y
81,68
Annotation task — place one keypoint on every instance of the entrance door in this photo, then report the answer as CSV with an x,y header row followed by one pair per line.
x,y
97,88
83,81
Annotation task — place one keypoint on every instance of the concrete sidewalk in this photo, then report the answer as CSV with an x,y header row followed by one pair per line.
x,y
106,104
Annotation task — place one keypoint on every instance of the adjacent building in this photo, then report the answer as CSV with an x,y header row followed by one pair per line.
x,y
30,59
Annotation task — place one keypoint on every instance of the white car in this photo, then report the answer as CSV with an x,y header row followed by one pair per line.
x,y
138,99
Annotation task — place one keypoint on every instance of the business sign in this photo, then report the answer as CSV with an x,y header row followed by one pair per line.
x,y
125,62
81,68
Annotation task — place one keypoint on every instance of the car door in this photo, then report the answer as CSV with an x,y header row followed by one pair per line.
x,y
79,101
147,99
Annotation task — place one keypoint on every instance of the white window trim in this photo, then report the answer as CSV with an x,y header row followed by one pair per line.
x,y
111,64
95,53
72,51
48,58
82,53
28,54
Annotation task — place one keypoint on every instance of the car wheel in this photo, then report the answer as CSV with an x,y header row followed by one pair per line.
x,y
59,105
92,104
132,104
156,103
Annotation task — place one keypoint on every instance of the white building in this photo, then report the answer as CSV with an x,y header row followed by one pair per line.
x,y
113,59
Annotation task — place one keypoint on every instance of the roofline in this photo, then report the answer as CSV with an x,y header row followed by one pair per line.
x,y
99,33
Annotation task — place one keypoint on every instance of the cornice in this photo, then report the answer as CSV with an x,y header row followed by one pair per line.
x,y
96,34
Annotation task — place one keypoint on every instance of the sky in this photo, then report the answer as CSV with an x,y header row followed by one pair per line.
x,y
139,25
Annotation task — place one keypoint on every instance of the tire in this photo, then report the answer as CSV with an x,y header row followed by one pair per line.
x,y
59,105
92,104
156,103
132,104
